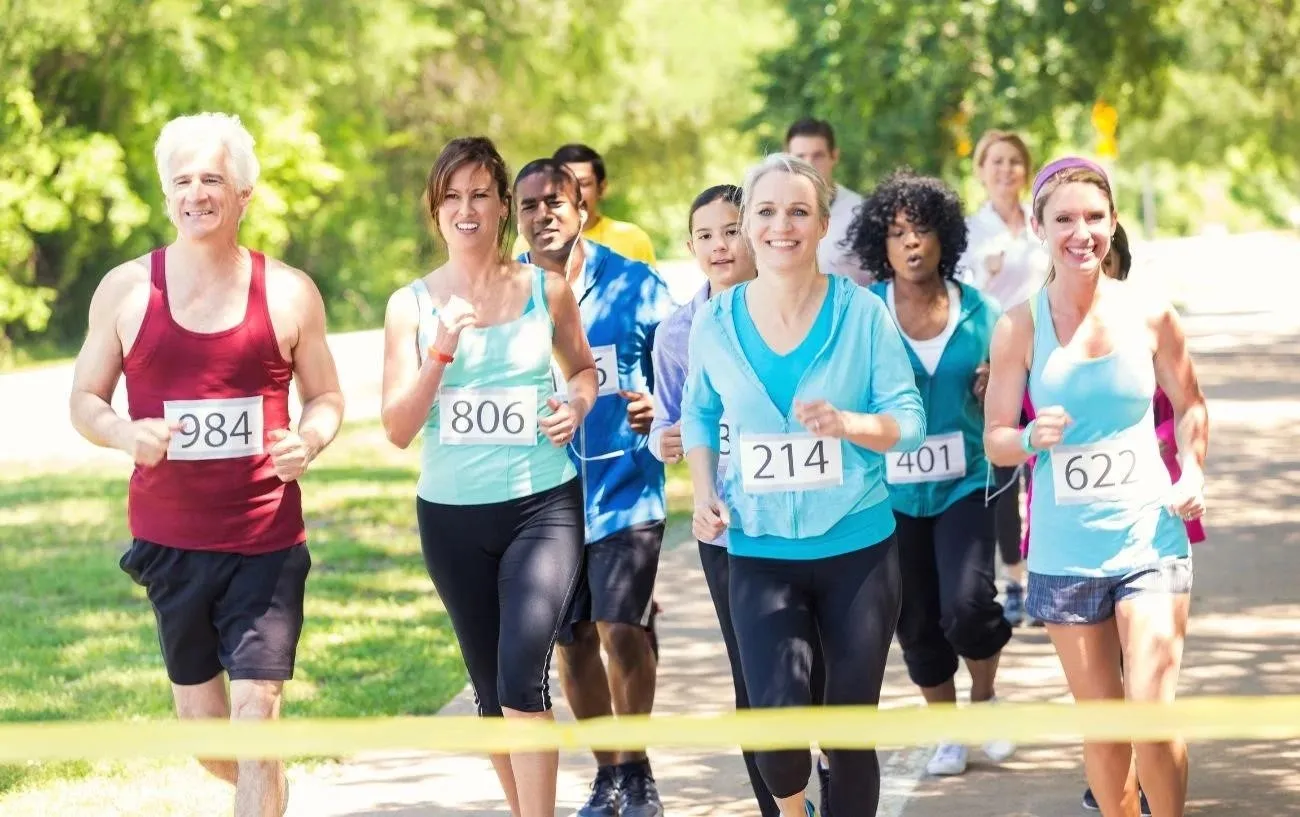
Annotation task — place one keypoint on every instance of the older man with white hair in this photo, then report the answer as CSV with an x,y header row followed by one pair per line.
x,y
209,335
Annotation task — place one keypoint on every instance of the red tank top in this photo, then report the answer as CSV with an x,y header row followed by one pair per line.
x,y
216,489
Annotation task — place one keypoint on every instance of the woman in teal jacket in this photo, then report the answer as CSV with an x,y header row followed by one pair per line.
x,y
813,378
910,233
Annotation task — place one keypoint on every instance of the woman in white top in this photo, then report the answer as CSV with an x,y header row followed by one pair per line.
x,y
1007,262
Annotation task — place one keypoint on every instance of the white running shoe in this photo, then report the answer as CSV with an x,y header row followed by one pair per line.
x,y
998,750
949,760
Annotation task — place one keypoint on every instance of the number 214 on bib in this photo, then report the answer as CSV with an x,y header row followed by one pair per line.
x,y
789,462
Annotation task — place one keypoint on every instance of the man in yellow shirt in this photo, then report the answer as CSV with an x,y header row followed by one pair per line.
x,y
622,237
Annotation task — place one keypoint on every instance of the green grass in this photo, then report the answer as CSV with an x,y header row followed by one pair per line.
x,y
79,642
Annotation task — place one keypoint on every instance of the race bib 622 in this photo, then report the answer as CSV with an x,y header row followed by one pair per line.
x,y
218,429
1105,471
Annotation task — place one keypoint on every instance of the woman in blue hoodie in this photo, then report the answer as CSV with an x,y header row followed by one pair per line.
x,y
910,234
812,376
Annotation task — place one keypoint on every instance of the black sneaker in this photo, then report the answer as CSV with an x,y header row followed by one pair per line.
x,y
637,794
1090,802
824,780
603,801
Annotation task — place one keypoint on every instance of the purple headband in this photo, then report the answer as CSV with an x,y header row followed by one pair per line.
x,y
1062,164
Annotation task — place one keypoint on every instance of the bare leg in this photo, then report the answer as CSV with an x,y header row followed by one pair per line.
x,y
792,806
207,700
534,774
632,670
945,693
983,677
583,679
1152,628
505,774
261,789
1090,656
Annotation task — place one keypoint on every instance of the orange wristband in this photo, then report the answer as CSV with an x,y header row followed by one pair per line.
x,y
439,356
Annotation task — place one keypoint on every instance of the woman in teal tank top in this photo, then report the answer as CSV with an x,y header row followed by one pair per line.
x,y
467,360
1109,563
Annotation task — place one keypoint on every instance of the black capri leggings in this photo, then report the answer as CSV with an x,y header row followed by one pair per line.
x,y
1006,509
780,609
950,605
717,573
506,572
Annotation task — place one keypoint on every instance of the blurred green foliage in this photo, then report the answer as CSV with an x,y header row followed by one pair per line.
x,y
350,101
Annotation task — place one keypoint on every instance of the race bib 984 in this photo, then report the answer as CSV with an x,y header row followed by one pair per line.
x,y
1106,471
218,429
789,462
606,373
940,458
503,416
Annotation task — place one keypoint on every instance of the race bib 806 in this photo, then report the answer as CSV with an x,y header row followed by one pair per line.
x,y
789,462
606,373
940,458
217,429
502,416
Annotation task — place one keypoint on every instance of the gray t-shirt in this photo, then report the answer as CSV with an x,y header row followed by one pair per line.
x,y
832,258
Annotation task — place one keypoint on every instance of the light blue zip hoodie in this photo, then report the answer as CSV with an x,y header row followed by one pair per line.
x,y
863,368
950,405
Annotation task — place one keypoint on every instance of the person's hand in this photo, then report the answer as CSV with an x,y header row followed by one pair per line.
x,y
455,317
1049,427
981,384
710,519
1187,496
289,453
670,444
560,426
147,440
640,410
821,418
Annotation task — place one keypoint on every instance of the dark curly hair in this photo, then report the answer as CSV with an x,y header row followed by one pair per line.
x,y
927,201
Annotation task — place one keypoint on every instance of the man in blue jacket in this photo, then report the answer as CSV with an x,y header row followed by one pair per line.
x,y
622,302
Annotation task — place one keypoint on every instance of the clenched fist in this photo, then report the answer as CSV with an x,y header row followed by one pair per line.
x,y
290,454
1049,427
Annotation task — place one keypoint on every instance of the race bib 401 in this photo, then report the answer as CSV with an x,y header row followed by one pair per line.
x,y
789,462
502,416
218,429
940,458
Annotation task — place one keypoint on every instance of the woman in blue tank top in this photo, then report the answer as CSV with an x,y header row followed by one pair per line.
x,y
467,360
1110,571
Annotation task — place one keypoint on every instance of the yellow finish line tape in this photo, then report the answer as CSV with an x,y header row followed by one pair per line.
x,y
842,727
